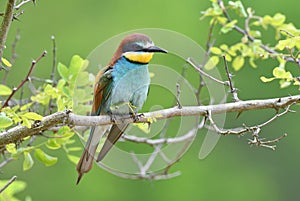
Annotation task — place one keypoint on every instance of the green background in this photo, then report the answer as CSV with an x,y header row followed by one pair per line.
x,y
233,171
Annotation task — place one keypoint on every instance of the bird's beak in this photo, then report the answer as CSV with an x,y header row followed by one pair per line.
x,y
155,49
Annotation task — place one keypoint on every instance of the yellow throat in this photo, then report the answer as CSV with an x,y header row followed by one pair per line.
x,y
140,57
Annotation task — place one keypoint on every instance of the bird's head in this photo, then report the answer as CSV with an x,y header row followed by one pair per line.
x,y
137,48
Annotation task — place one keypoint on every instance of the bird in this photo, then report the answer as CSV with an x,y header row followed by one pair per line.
x,y
120,88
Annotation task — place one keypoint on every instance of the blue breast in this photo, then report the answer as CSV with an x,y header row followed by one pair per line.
x,y
129,88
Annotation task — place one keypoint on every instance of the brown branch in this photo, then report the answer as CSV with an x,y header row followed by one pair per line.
x,y
5,25
27,78
65,117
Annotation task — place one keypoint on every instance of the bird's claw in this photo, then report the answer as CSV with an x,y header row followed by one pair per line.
x,y
136,117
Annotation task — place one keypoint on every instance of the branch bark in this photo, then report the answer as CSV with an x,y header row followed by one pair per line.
x,y
67,118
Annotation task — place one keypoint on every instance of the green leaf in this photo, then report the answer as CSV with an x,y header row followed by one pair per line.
x,y
216,50
287,43
278,19
63,71
32,115
6,62
83,79
14,188
228,27
75,67
255,33
5,121
26,106
238,8
73,159
143,126
265,79
238,63
74,149
52,144
25,122
11,148
45,158
281,73
284,83
4,90
212,62
28,161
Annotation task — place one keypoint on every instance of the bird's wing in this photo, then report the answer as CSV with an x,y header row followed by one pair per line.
x,y
101,92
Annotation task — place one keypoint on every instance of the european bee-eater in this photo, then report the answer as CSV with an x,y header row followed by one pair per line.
x,y
120,88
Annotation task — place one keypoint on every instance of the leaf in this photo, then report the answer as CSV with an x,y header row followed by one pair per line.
x,y
5,121
216,50
52,144
45,158
143,126
73,159
5,90
238,8
14,188
26,106
238,63
228,27
63,71
75,66
287,43
11,148
28,161
83,79
74,149
212,62
25,122
284,83
6,62
32,115
281,73
278,19
265,79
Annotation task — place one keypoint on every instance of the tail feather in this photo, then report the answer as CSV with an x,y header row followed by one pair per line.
x,y
115,133
86,161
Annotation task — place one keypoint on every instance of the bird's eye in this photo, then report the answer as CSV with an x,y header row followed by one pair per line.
x,y
136,47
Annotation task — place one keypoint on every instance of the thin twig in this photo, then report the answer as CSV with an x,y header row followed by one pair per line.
x,y
52,77
189,60
5,162
13,55
233,90
178,91
8,183
17,7
7,19
252,39
27,78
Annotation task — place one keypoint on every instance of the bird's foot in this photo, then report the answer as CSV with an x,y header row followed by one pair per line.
x,y
136,117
